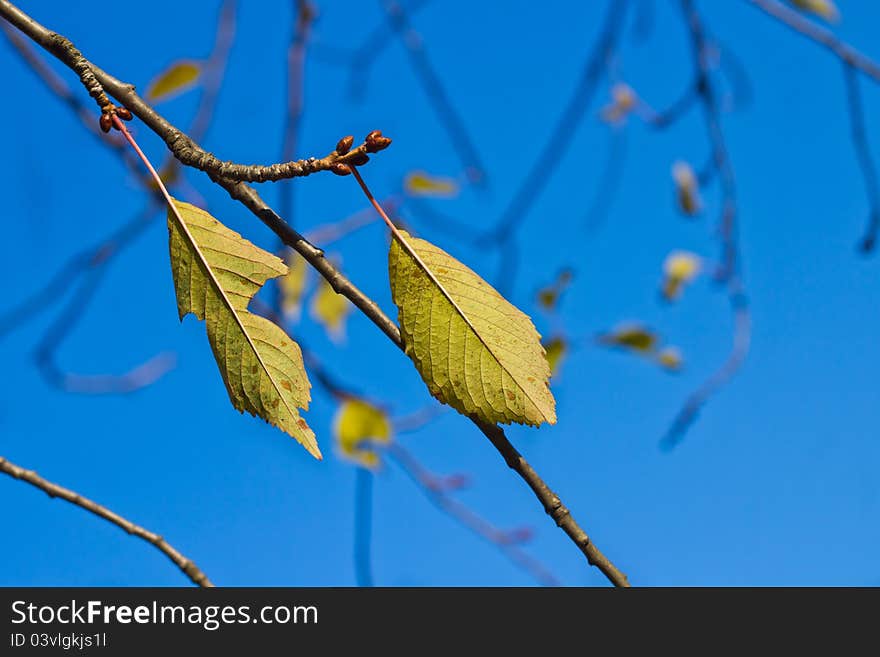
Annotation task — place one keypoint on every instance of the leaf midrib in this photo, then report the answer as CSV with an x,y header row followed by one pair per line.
x,y
216,283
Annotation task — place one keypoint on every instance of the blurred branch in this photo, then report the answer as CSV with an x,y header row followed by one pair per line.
x,y
91,265
417,419
697,400
441,222
247,195
853,61
86,115
729,270
449,117
554,149
135,379
863,154
215,70
660,120
304,12
360,58
437,493
187,566
825,38
328,233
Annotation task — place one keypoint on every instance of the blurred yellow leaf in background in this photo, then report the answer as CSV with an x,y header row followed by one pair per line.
x,y
639,340
331,310
556,349
548,296
824,8
177,78
419,183
293,285
633,337
679,269
686,188
357,426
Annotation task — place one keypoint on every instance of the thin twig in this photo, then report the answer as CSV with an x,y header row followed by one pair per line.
x,y
187,566
182,146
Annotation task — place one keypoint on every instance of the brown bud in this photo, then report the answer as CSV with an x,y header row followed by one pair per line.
x,y
105,122
340,169
375,142
344,145
382,143
123,113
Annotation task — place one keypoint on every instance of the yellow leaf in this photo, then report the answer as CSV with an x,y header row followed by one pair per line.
x,y
473,349
687,189
177,78
548,296
824,8
419,183
679,269
331,310
216,273
670,358
633,337
358,425
292,285
556,349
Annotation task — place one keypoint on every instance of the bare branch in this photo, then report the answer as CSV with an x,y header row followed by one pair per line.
x,y
187,566
182,146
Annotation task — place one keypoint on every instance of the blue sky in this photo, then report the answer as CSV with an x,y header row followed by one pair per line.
x,y
774,485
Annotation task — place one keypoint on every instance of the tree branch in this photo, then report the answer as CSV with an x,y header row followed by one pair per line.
x,y
183,147
126,94
187,566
